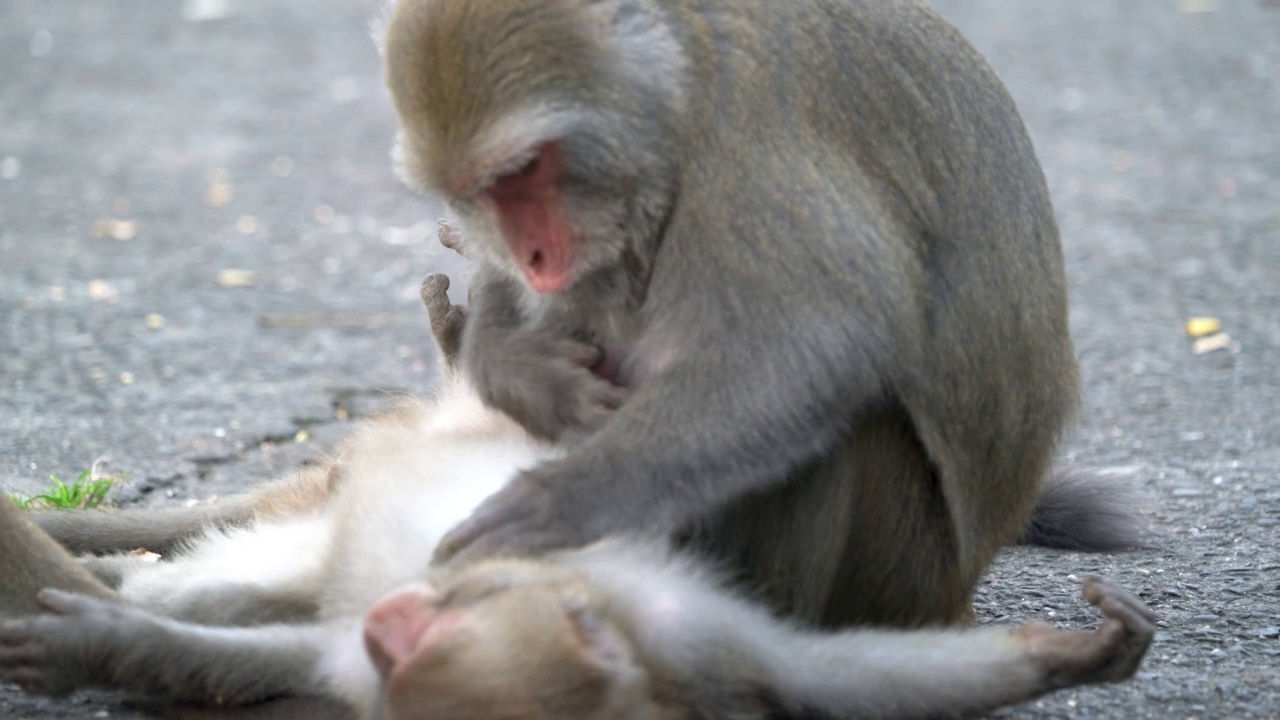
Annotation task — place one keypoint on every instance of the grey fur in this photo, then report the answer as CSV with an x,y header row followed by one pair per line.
x,y
1087,510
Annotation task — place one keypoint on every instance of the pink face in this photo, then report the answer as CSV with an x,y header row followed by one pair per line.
x,y
532,217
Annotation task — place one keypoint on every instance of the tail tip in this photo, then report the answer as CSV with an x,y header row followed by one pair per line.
x,y
1089,511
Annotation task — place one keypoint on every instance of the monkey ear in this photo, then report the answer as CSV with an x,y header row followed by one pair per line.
x,y
600,644
604,17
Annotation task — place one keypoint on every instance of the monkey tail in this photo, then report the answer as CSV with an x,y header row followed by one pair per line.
x,y
159,530
1087,510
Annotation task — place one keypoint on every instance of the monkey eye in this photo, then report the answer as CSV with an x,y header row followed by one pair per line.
x,y
530,166
469,592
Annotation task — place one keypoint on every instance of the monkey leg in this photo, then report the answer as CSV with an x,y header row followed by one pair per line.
x,y
31,560
863,537
901,564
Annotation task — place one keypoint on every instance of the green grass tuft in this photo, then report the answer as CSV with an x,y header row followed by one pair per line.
x,y
88,491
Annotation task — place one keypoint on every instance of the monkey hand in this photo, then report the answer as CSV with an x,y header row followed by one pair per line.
x,y
75,642
546,383
1109,654
535,512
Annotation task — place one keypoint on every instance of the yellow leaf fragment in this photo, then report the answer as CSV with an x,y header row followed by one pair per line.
x,y
233,277
1198,6
1202,326
123,230
101,291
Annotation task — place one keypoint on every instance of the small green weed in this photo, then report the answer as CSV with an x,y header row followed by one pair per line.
x,y
88,491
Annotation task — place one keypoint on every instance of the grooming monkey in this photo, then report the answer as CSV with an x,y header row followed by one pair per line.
x,y
318,586
785,273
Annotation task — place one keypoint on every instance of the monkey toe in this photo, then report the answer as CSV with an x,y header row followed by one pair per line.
x,y
435,295
21,658
34,681
450,237
433,286
69,604
56,601
1116,602
14,634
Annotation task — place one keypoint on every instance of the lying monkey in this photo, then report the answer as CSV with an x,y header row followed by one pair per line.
x,y
327,592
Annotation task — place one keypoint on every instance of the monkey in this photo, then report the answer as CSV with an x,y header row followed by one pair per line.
x,y
334,599
609,631
785,277
594,642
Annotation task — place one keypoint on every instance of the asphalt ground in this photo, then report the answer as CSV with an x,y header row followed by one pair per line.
x,y
208,272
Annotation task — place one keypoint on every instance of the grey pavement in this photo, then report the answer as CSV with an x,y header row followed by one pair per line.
x,y
207,271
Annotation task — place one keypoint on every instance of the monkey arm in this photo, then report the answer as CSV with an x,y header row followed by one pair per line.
x,y
713,425
81,641
960,673
536,372
688,626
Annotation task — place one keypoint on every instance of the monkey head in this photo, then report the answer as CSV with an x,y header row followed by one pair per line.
x,y
541,124
504,639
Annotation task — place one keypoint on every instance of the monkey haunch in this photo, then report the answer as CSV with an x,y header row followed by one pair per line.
x,y
815,246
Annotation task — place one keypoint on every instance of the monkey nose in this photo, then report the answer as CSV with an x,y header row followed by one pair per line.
x,y
398,624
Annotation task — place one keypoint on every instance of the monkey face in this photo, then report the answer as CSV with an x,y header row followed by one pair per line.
x,y
524,136
502,640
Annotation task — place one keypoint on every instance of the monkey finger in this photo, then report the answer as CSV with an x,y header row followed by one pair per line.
x,y
1134,623
507,542
578,353
1094,587
61,602
611,396
1115,601
16,658
30,679
14,632
498,526
21,663
470,532
1119,655
587,422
